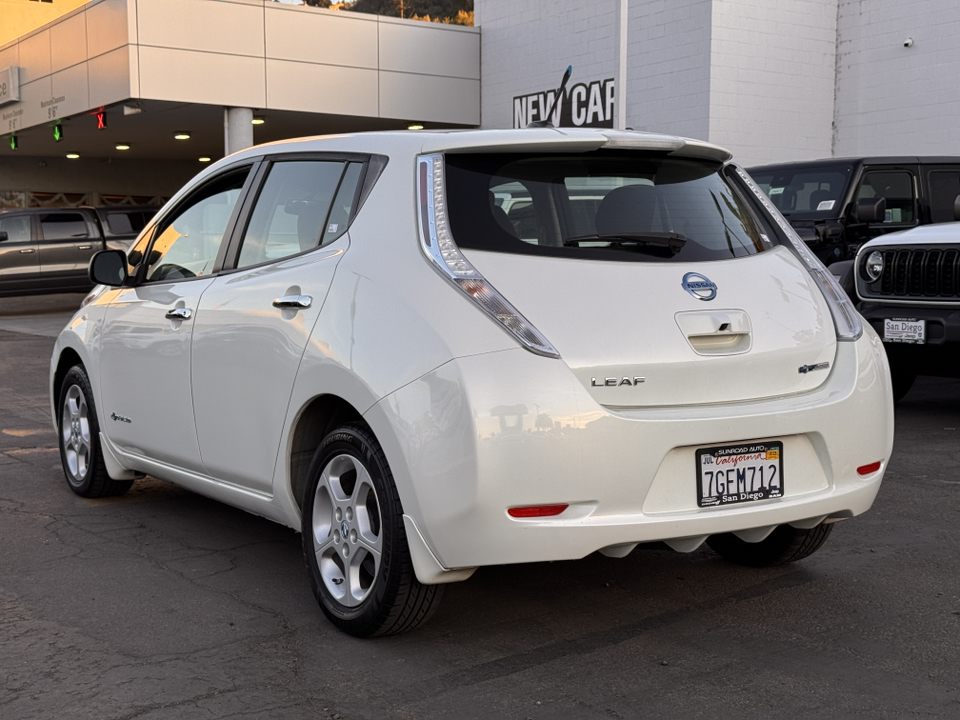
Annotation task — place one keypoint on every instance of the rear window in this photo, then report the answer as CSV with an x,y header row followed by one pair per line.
x,y
128,222
63,226
600,206
803,190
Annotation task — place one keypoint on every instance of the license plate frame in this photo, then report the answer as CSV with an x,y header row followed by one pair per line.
x,y
910,331
766,460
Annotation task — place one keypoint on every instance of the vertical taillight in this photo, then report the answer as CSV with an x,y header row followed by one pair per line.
x,y
846,319
438,245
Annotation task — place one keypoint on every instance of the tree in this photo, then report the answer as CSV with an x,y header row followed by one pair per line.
x,y
459,12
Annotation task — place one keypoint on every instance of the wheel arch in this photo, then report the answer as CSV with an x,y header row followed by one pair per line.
x,y
68,358
319,417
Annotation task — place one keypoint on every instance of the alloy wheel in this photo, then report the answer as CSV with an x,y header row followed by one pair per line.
x,y
75,431
347,530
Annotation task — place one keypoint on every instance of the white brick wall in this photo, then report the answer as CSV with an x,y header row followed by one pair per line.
x,y
771,78
525,45
668,66
893,100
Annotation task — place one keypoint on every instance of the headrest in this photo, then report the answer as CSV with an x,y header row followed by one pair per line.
x,y
627,209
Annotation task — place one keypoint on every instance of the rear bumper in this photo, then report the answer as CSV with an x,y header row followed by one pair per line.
x,y
485,433
939,355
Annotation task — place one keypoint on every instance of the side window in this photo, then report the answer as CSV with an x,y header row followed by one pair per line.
x,y
303,204
63,227
896,186
187,241
16,227
944,188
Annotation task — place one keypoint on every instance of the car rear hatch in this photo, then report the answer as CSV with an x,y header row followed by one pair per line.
x,y
652,276
634,336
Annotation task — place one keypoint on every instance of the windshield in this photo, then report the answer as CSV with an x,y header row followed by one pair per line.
x,y
804,189
625,206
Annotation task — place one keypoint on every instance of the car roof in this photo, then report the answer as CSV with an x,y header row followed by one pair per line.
x,y
871,160
529,139
411,143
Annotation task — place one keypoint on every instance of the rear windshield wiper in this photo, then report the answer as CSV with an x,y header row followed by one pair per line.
x,y
654,242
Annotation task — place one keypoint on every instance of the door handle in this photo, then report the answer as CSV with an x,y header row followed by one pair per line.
x,y
180,313
293,301
27,251
85,247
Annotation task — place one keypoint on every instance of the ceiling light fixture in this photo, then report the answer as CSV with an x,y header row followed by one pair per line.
x,y
181,136
73,156
414,126
258,120
123,146
204,159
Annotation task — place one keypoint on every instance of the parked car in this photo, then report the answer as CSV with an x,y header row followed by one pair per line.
x,y
908,284
49,249
834,203
349,336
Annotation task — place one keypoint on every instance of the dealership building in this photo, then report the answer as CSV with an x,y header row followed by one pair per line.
x,y
119,81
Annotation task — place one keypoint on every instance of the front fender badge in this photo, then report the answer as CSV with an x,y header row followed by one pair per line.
x,y
700,286
804,369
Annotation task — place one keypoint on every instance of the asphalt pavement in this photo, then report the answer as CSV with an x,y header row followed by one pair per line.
x,y
163,604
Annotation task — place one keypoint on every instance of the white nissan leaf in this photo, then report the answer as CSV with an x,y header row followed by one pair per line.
x,y
435,351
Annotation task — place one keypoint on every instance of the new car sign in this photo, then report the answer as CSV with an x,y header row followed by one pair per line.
x,y
583,105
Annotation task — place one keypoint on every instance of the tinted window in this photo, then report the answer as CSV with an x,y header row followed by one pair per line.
x,y
63,226
187,242
944,188
599,206
16,227
896,186
129,222
804,190
292,211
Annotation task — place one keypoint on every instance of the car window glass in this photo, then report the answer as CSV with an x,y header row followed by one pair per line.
x,y
804,190
342,209
944,188
63,226
585,195
129,222
187,243
896,187
17,228
289,215
626,206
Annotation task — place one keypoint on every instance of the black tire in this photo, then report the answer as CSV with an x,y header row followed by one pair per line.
x,y
783,545
387,600
902,382
79,433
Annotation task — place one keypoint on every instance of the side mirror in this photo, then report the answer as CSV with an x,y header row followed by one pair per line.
x,y
108,267
4,236
871,210
956,208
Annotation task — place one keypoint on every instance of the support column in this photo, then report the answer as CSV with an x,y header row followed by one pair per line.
x,y
622,42
237,129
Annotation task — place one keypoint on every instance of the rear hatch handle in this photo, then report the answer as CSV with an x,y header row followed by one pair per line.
x,y
716,332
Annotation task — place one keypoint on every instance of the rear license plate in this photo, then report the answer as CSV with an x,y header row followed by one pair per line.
x,y
732,474
905,330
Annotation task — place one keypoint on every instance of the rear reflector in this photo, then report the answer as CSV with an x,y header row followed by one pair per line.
x,y
536,511
871,468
